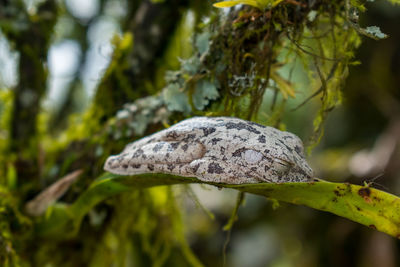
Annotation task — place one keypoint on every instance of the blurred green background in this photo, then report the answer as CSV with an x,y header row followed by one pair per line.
x,y
360,141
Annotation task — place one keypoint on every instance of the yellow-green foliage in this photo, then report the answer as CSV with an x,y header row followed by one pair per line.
x,y
154,218
6,97
10,214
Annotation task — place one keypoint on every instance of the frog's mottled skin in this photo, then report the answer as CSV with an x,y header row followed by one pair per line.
x,y
217,149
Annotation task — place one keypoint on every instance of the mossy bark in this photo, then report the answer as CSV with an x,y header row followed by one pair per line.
x,y
31,40
152,26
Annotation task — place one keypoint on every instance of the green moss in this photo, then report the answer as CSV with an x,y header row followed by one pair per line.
x,y
108,100
14,229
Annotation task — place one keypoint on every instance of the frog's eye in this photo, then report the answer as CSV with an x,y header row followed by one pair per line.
x,y
252,156
282,167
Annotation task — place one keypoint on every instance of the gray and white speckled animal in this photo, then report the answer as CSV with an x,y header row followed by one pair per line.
x,y
217,149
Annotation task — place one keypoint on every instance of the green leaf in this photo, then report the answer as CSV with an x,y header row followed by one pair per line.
x,y
284,86
357,4
260,4
191,65
204,92
234,3
175,99
368,206
203,42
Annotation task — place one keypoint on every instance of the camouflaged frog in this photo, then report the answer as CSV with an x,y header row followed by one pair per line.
x,y
217,149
